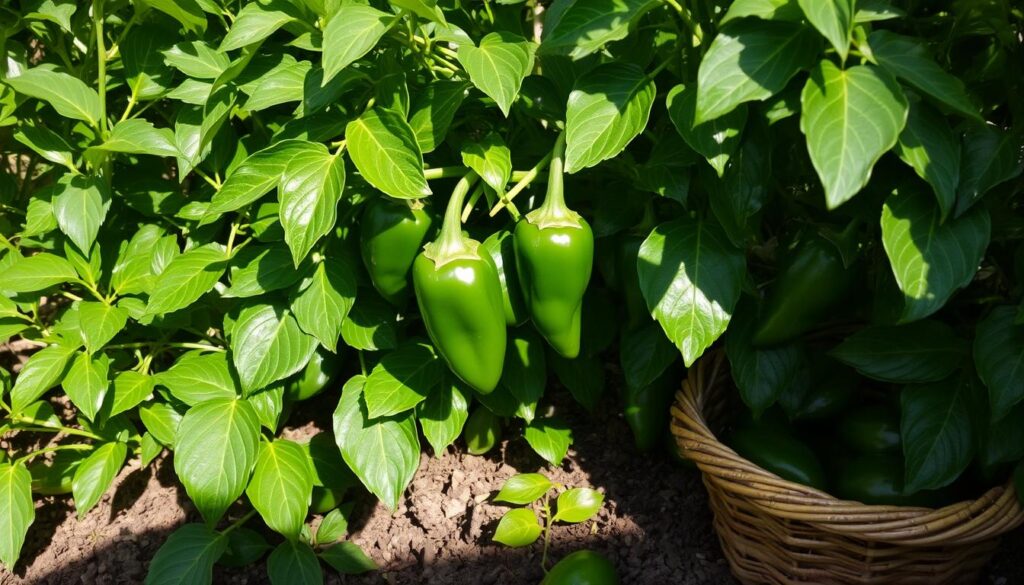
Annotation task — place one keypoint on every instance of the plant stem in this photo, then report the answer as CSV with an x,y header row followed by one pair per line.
x,y
444,173
245,518
42,427
472,201
176,345
450,242
34,454
101,62
527,178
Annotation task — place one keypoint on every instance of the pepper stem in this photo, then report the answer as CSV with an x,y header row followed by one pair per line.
x,y
553,212
450,243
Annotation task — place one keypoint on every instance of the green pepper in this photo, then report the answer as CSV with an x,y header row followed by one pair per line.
x,y
322,368
877,479
482,431
871,429
325,499
779,452
829,396
806,292
459,296
626,257
646,409
583,567
554,257
499,246
54,478
391,233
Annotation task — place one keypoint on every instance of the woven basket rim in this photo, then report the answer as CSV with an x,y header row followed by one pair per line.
x,y
992,514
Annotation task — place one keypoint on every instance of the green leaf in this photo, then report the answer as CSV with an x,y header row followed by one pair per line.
x,y
36,273
70,96
46,143
329,468
348,559
583,28
268,346
256,176
87,382
255,22
187,12
924,351
608,107
80,206
282,483
690,276
269,405
325,301
384,149
443,414
245,547
130,389
850,117
523,488
197,59
58,11
930,259
284,83
991,157
137,136
94,476
402,379
100,323
833,19
788,10
550,438
39,217
761,375
215,450
133,272
162,421
578,505
260,269
716,140
371,324
907,59
333,527
294,563
432,111
498,65
146,76
525,374
17,510
517,528
352,32
584,377
187,557
938,443
751,60
42,371
188,277
197,377
876,10
311,188
929,146
491,159
383,452
999,359
150,449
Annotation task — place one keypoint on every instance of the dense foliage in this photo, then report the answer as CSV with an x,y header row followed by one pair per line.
x,y
211,210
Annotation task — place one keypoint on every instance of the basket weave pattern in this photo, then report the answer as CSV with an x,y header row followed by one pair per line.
x,y
775,531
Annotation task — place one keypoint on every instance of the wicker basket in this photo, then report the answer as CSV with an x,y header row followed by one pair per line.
x,y
779,532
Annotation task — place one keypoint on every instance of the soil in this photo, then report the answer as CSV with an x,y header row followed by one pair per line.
x,y
655,524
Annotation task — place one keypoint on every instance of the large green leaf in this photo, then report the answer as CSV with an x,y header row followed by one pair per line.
x,y
46,143
215,450
260,269
990,157
188,277
432,111
130,389
311,188
17,510
383,452
608,107
36,272
923,351
80,206
282,483
161,420
938,441
751,60
256,176
930,259
325,300
929,146
384,149
833,19
70,96
402,380
99,323
716,140
491,159
761,375
498,65
197,377
294,563
999,359
94,476
690,276
907,59
87,382
42,371
583,28
268,346
765,9
187,12
352,32
187,557
850,117
197,59
443,414
525,374
371,323
348,559
255,22
140,137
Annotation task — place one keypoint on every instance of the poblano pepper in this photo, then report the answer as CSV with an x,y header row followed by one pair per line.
x,y
554,249
391,233
459,297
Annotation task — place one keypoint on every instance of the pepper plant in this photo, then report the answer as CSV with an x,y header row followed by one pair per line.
x,y
211,210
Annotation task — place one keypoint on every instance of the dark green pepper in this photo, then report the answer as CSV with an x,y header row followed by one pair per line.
x,y
646,409
391,234
482,431
871,429
322,368
806,292
779,452
554,257
583,567
877,479
499,246
459,297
